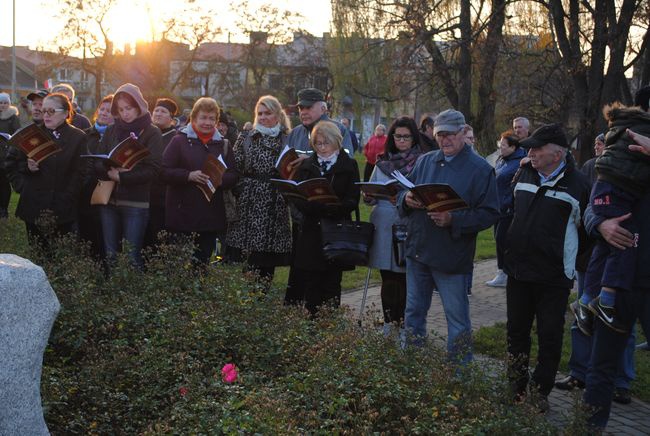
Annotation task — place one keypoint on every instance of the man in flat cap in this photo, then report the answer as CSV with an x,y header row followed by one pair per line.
x,y
313,108
550,196
440,245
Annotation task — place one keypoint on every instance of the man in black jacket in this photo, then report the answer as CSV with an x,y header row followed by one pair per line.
x,y
541,248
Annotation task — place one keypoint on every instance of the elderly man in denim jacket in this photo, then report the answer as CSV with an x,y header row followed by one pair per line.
x,y
441,245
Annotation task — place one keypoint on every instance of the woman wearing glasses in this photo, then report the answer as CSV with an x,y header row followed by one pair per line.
x,y
318,280
53,184
401,151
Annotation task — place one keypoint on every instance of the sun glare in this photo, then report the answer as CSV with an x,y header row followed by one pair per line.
x,y
128,22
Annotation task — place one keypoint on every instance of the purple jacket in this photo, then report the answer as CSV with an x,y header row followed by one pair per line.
x,y
186,209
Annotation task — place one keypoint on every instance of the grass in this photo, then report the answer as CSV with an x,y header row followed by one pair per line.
x,y
491,341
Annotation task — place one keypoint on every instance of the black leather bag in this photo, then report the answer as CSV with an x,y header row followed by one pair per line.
x,y
400,232
345,242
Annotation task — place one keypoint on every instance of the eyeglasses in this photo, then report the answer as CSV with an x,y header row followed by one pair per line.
x,y
321,144
402,137
52,111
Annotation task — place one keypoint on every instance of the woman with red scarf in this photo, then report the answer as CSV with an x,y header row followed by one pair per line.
x,y
127,212
187,211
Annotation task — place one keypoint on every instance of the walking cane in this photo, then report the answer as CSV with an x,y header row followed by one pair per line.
x,y
365,294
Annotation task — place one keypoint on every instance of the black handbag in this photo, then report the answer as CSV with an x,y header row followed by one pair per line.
x,y
400,232
347,242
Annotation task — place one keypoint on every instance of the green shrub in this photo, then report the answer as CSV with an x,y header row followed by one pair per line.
x,y
142,352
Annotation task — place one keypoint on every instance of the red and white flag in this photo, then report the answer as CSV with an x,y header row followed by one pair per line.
x,y
48,84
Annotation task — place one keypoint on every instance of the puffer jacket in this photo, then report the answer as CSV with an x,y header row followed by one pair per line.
x,y
9,121
618,165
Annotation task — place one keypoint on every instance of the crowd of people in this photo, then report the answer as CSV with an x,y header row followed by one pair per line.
x,y
553,223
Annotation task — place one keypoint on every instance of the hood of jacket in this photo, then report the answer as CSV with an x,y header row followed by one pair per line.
x,y
133,91
8,113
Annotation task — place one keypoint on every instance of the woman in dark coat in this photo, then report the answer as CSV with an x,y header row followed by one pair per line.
x,y
127,212
319,280
9,123
186,208
262,232
53,185
90,224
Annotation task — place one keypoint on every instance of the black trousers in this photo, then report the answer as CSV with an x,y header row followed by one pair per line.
x,y
89,226
525,303
205,244
295,292
607,346
393,295
367,172
156,224
5,192
500,232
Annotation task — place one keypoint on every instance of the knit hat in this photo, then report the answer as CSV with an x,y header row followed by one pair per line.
x,y
642,98
449,121
168,104
4,98
547,134
133,91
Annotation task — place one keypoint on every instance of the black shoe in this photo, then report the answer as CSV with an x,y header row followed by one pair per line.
x,y
584,317
568,383
607,315
622,396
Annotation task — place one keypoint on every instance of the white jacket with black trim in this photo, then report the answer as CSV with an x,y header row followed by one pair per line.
x,y
546,233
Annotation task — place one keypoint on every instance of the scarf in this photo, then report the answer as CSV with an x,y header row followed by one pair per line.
x,y
124,130
268,131
403,161
203,137
101,128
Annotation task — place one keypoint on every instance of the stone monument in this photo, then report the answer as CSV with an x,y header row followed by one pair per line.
x,y
28,308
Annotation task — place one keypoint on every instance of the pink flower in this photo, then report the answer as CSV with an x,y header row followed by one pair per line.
x,y
229,373
183,391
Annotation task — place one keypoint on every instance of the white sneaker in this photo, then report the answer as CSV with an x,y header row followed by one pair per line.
x,y
499,281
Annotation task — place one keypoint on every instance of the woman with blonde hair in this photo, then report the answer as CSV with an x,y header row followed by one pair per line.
x,y
187,210
262,235
317,279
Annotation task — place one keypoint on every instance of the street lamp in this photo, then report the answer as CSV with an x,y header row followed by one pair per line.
x,y
14,97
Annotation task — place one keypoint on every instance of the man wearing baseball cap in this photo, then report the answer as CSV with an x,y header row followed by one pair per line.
x,y
440,246
36,98
313,108
541,248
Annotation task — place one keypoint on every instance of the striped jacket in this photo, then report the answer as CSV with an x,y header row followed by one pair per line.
x,y
546,233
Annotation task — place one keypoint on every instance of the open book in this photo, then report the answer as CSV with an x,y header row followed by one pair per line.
x,y
436,197
35,143
213,167
385,190
318,190
287,156
126,154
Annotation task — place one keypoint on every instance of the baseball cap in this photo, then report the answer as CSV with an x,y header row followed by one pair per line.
x,y
547,134
449,120
41,93
309,96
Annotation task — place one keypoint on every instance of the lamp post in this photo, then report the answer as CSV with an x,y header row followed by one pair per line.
x,y
13,56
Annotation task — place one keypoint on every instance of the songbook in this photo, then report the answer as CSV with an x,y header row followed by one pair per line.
x,y
436,197
35,143
213,167
287,156
317,190
386,190
126,154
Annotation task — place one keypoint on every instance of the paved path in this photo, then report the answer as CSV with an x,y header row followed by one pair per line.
x,y
487,307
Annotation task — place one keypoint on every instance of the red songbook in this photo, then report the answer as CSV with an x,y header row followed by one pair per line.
x,y
35,143
386,190
287,156
213,167
318,190
438,197
126,154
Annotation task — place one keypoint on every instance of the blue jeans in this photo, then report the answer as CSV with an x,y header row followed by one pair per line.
x,y
124,222
420,282
581,352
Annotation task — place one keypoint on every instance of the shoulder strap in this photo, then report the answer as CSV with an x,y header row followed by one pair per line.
x,y
225,147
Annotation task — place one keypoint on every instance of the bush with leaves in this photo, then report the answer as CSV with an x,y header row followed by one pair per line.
x,y
142,352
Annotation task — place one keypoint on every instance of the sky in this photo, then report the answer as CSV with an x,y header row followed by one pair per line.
x,y
132,19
